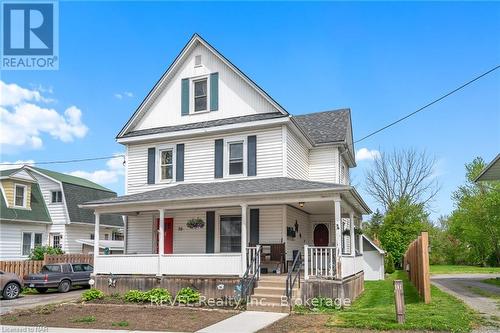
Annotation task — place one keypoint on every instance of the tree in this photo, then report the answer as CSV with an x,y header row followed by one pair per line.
x,y
403,223
372,227
403,174
476,219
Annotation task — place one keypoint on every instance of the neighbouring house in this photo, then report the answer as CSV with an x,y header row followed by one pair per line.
x,y
223,184
491,172
373,257
40,207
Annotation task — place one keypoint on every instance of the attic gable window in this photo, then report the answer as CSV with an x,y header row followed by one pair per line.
x,y
200,95
20,195
56,196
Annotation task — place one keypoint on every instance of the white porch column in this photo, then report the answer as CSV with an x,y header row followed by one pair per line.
x,y
352,236
338,235
97,217
244,208
161,233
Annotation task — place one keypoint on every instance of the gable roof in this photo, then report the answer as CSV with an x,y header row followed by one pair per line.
x,y
372,243
325,127
37,213
491,171
191,44
65,178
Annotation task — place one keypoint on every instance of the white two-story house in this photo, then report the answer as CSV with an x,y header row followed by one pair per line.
x,y
240,185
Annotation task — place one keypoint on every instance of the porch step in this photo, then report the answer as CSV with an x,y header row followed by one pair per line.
x,y
272,290
271,284
268,308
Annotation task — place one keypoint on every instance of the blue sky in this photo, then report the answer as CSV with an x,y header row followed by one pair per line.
x,y
382,60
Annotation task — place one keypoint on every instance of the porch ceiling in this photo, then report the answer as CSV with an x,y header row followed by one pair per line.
x,y
252,191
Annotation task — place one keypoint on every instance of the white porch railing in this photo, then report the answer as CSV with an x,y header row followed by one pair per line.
x,y
251,253
170,264
319,261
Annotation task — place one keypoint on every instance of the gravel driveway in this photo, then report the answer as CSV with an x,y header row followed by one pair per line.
x,y
482,297
28,301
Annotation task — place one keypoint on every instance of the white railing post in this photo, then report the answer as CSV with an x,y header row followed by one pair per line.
x,y
97,217
257,253
338,237
352,237
306,262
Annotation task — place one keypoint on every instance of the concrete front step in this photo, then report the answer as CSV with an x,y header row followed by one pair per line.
x,y
268,308
271,284
272,290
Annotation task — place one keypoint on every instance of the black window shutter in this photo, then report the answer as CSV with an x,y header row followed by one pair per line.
x,y
254,226
151,165
184,97
210,234
179,164
252,155
219,158
214,91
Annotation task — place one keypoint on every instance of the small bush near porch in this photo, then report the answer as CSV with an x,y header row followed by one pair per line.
x,y
374,309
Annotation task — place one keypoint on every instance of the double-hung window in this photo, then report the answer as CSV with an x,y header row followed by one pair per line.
x,y
200,95
20,195
236,158
30,241
56,196
230,234
166,164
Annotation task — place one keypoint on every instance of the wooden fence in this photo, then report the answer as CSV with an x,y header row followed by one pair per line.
x,y
416,264
24,267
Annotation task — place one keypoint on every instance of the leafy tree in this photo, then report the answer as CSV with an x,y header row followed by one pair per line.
x,y
389,267
476,219
372,227
403,222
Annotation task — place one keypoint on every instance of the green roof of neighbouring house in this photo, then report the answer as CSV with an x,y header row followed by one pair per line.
x,y
37,213
6,173
64,178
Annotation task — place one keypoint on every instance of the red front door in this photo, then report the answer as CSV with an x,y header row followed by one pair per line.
x,y
321,235
168,236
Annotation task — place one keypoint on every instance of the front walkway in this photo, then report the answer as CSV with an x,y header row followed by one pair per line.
x,y
245,322
482,297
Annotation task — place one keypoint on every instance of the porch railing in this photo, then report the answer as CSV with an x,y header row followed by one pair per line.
x,y
320,262
247,282
293,276
253,260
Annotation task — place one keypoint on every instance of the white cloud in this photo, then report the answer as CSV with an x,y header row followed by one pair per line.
x,y
114,170
367,154
124,94
15,165
23,120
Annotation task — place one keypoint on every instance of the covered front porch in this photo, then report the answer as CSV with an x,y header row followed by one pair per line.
x,y
216,229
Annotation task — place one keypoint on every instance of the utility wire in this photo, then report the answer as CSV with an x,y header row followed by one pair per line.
x,y
429,104
68,161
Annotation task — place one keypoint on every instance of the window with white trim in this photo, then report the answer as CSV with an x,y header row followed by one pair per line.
x,y
20,195
230,234
30,241
235,158
166,164
56,196
56,240
200,88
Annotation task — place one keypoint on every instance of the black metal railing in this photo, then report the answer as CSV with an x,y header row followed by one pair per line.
x,y
248,280
292,277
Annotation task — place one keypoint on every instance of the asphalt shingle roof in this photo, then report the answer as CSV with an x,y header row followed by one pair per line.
x,y
325,127
205,124
38,211
221,189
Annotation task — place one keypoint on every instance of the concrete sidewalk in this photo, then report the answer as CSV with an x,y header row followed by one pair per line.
x,y
42,329
245,322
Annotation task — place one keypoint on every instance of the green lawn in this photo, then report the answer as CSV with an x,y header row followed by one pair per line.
x,y
457,269
495,282
375,309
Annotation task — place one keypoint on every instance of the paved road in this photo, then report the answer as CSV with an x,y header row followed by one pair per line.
x,y
29,301
470,289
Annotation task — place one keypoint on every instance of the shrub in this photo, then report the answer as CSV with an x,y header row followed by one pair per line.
x,y
135,296
38,252
188,295
87,319
92,294
158,295
389,264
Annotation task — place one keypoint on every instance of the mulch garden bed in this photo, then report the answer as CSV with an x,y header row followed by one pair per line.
x,y
114,316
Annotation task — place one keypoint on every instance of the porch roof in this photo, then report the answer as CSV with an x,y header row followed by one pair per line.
x,y
259,187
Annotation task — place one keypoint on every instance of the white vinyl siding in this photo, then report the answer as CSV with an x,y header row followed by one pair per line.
x,y
302,236
140,234
74,232
236,97
11,237
323,164
297,157
57,210
199,159
270,224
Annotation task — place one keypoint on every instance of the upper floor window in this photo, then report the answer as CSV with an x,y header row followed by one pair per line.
x,y
200,95
166,164
56,196
20,195
236,158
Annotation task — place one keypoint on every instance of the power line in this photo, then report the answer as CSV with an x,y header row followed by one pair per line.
x,y
429,104
68,161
